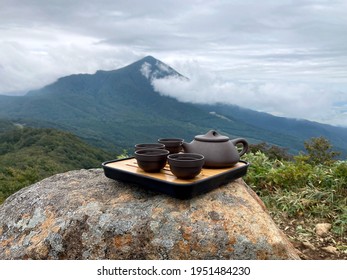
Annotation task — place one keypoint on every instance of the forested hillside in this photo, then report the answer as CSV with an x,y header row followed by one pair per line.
x,y
29,154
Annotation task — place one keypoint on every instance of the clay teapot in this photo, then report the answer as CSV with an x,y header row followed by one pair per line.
x,y
219,151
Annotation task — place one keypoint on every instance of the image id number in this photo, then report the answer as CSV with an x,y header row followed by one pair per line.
x,y
220,270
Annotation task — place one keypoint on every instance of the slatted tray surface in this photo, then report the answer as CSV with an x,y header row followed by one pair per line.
x,y
165,182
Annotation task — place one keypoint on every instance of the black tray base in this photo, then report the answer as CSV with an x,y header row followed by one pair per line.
x,y
180,191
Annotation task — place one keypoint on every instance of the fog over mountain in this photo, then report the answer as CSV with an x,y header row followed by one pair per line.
x,y
287,99
285,57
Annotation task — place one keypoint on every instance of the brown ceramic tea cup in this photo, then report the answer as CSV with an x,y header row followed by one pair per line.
x,y
173,145
186,165
142,146
151,160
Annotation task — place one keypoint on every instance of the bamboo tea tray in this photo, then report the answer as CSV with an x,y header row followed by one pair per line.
x,y
165,182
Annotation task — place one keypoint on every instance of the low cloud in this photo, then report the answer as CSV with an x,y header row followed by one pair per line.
x,y
29,65
295,100
146,70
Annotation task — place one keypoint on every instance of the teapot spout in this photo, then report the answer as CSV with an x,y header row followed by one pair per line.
x,y
186,147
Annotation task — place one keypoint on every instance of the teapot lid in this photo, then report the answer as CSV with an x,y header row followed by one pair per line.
x,y
212,136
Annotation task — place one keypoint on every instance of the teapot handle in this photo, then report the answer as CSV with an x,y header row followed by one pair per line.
x,y
244,145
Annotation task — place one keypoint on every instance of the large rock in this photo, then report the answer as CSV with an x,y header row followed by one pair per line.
x,y
84,215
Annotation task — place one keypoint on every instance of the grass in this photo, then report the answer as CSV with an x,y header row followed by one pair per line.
x,y
301,189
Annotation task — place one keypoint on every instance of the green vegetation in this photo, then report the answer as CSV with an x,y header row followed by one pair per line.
x,y
302,187
311,184
319,150
271,151
28,155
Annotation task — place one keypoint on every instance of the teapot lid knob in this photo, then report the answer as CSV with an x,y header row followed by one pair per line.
x,y
212,136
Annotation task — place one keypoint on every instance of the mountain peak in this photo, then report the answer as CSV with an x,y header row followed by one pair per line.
x,y
150,59
153,68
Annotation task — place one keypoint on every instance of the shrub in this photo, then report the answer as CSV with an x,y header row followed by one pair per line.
x,y
319,151
301,189
271,151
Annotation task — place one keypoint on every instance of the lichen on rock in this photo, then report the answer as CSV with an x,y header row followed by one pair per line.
x,y
84,215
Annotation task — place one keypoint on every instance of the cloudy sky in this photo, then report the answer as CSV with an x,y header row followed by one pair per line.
x,y
288,58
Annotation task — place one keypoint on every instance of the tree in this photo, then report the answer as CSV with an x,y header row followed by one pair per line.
x,y
271,151
319,151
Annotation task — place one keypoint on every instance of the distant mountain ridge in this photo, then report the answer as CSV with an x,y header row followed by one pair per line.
x,y
298,128
116,109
